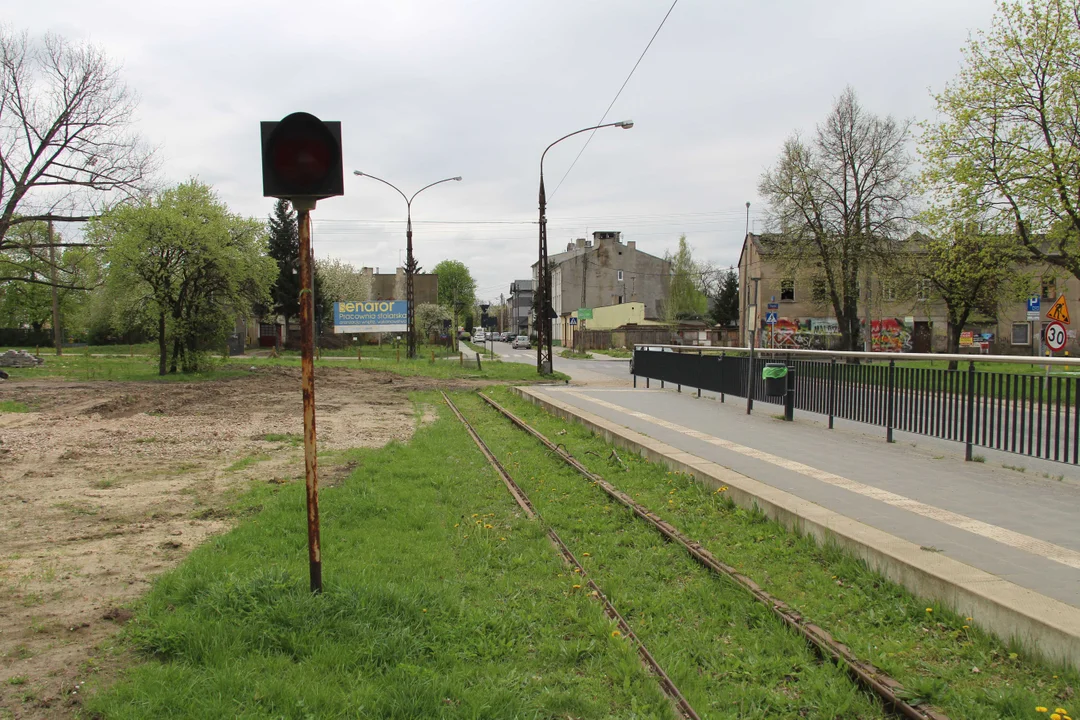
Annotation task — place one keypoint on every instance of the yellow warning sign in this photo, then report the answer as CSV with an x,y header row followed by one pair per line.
x,y
1059,311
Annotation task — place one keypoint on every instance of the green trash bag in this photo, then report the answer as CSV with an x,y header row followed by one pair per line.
x,y
774,371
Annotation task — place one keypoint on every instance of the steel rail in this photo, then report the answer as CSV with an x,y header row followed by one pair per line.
x,y
669,688
875,356
866,674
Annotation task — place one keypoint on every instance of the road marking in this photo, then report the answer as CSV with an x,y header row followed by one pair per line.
x,y
1035,546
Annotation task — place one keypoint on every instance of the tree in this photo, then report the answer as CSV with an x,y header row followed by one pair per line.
x,y
840,203
29,268
725,309
342,281
430,317
185,260
686,301
284,248
1008,146
973,273
66,144
457,289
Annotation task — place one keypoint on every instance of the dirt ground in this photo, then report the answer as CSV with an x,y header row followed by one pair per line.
x,y
104,485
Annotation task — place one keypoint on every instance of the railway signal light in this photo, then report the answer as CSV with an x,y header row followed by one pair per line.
x,y
301,158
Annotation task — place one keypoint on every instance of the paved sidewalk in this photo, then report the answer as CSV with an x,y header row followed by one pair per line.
x,y
1020,527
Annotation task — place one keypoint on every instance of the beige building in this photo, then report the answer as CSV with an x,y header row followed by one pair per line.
x,y
910,319
605,317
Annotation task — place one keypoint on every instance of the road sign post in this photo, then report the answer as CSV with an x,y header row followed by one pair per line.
x,y
1056,336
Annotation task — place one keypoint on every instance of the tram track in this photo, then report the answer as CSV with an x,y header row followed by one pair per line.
x,y
891,692
669,688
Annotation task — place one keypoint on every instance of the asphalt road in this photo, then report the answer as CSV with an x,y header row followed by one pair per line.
x,y
601,370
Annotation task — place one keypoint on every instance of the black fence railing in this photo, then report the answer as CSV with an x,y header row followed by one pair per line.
x,y
1024,413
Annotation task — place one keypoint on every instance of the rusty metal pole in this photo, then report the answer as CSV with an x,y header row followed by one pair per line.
x,y
307,385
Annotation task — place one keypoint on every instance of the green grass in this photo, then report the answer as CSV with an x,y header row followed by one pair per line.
x,y
13,406
425,614
82,367
615,352
727,653
247,462
931,653
575,355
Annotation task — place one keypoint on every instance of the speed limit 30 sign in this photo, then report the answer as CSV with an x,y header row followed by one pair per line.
x,y
1055,336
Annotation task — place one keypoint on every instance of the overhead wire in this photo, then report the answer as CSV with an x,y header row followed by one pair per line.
x,y
621,88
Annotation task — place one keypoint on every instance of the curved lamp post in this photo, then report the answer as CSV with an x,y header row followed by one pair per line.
x,y
543,321
410,263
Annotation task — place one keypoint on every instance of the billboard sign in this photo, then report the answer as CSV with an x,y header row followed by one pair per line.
x,y
373,316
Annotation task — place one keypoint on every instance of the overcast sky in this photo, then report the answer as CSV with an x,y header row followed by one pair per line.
x,y
427,89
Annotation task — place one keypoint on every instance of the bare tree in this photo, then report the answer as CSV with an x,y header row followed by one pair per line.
x,y
67,148
840,202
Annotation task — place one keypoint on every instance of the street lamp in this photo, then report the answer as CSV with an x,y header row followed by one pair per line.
x,y
410,262
543,325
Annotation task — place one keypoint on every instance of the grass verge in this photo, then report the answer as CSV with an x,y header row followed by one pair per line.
x,y
84,367
440,601
727,653
13,406
615,352
575,355
936,654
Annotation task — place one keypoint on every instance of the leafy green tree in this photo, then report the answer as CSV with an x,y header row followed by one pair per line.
x,y
457,289
27,272
840,202
686,301
192,265
1008,143
725,301
972,273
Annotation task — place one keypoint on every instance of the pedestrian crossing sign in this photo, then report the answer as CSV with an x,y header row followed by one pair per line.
x,y
770,318
1059,311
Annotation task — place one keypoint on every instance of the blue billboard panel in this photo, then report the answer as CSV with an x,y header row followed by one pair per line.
x,y
371,316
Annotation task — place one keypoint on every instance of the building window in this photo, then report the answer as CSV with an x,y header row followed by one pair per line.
x,y
1049,290
1021,333
888,292
620,299
819,291
620,276
922,289
787,290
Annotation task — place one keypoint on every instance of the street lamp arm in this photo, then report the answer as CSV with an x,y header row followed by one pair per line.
x,y
626,124
437,182
364,174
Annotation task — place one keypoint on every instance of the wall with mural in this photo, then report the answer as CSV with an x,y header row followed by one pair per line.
x,y
886,335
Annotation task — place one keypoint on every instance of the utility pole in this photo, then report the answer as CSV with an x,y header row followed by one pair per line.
x,y
751,324
58,334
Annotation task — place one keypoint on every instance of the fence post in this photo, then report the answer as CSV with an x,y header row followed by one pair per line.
x,y
750,377
699,369
832,392
722,356
789,397
890,403
969,431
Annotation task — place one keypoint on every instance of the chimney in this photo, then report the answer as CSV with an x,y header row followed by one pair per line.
x,y
569,246
365,271
631,244
580,243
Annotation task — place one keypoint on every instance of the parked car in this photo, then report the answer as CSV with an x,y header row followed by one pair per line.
x,y
508,337
478,336
521,341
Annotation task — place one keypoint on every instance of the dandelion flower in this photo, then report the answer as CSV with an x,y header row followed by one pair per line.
x,y
929,610
968,619
1055,716
965,627
1040,708
616,633
487,526
577,587
577,570
424,610
456,524
1063,711
474,514
586,554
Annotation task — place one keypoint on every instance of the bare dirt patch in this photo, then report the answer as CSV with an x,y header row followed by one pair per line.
x,y
105,484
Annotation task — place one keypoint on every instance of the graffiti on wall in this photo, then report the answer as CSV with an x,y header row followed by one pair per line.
x,y
886,335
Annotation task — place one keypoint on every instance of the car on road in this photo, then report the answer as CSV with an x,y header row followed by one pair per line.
x,y
521,341
508,337
478,336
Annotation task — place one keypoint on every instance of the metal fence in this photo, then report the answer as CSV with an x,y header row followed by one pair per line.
x,y
1020,412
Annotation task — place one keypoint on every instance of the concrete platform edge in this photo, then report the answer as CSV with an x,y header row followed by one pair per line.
x,y
1046,627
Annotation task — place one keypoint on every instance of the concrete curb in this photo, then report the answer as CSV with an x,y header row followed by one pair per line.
x,y
1041,625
